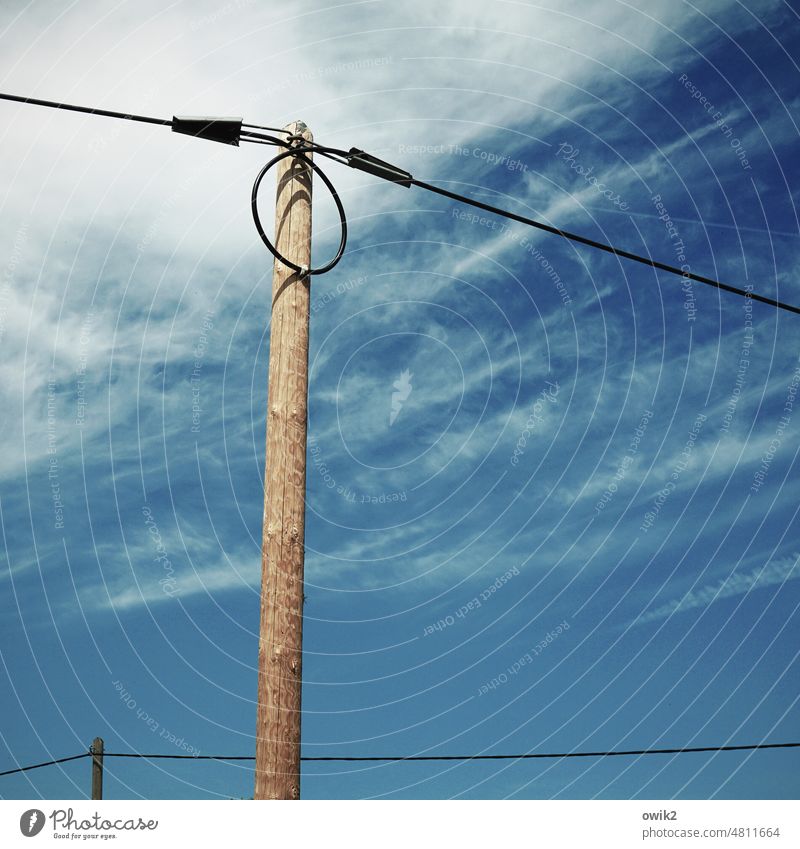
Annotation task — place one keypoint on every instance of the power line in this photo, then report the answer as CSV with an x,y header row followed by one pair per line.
x,y
397,758
46,763
226,130
534,755
592,243
89,110
181,757
386,171
232,131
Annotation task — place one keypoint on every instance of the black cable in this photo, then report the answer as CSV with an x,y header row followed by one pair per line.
x,y
533,755
248,136
604,247
46,763
525,756
259,141
359,159
334,153
262,127
180,757
299,152
107,113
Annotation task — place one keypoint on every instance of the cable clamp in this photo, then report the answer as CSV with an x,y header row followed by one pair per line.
x,y
378,168
225,130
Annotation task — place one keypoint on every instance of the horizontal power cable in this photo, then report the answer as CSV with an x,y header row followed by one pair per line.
x,y
362,758
533,755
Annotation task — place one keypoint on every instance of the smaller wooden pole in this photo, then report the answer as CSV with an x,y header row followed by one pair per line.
x,y
97,768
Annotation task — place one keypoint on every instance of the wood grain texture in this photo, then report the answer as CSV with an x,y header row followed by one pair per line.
x,y
282,556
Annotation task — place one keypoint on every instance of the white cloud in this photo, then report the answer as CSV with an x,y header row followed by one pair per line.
x,y
775,573
464,74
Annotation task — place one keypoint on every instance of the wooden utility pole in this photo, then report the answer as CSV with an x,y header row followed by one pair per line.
x,y
282,553
97,768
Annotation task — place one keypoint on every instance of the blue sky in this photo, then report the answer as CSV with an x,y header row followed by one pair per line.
x,y
577,530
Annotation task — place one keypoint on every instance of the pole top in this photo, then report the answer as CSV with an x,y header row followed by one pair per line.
x,y
298,129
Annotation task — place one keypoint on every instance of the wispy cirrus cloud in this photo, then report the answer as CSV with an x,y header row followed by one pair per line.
x,y
772,574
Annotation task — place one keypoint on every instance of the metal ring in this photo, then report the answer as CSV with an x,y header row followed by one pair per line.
x,y
254,206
